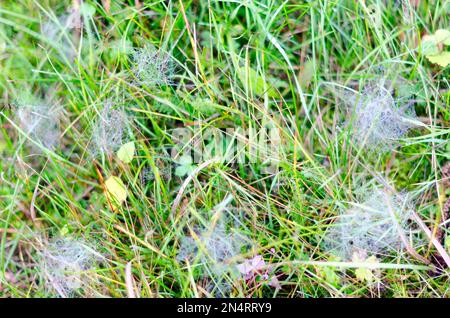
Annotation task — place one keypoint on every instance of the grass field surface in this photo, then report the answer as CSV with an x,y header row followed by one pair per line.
x,y
224,148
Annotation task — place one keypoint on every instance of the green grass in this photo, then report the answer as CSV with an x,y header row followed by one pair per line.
x,y
247,64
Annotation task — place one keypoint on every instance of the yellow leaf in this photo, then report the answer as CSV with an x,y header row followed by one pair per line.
x,y
364,273
433,44
442,59
126,152
116,189
442,36
429,46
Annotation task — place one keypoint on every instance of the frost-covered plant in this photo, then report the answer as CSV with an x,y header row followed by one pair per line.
x,y
377,121
379,224
66,264
40,121
109,131
152,67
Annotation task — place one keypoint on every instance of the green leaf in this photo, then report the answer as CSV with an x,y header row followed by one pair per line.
x,y
64,231
185,166
87,10
185,160
116,189
120,48
180,171
330,275
205,106
447,243
126,152
306,74
256,83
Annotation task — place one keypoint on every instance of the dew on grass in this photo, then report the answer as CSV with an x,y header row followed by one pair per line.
x,y
40,121
214,247
66,263
217,251
58,32
373,226
152,67
147,174
109,130
377,120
